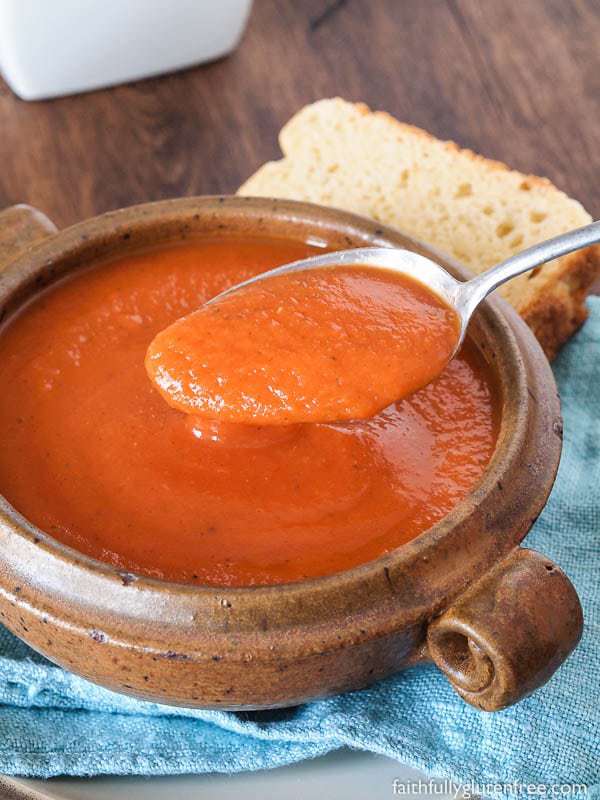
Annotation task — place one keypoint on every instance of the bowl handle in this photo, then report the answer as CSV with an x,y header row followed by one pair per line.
x,y
21,227
509,632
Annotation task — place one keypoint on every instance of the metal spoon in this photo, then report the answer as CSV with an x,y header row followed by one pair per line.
x,y
462,296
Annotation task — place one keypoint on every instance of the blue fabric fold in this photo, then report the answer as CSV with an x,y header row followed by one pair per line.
x,y
54,723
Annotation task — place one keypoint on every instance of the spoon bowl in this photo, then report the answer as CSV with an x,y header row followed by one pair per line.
x,y
402,262
462,296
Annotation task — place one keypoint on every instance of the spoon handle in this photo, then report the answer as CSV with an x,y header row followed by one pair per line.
x,y
473,292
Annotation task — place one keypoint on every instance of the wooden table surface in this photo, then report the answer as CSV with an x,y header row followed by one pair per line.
x,y
517,80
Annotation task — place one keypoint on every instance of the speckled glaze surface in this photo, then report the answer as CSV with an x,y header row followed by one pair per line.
x,y
497,619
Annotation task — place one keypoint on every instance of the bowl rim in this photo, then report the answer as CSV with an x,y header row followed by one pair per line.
x,y
116,232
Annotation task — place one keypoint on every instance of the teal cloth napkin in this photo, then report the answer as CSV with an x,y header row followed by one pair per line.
x,y
53,723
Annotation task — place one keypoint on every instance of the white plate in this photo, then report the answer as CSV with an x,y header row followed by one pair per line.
x,y
343,774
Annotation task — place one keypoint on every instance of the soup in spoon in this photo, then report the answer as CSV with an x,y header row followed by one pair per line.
x,y
324,345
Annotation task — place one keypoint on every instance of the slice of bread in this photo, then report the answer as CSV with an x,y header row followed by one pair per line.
x,y
478,211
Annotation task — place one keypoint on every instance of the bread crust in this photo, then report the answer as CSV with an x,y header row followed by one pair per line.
x,y
557,313
451,146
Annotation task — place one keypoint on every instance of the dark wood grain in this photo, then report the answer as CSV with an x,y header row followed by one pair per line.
x,y
518,80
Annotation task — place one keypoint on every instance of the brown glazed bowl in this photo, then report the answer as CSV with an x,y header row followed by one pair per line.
x,y
497,619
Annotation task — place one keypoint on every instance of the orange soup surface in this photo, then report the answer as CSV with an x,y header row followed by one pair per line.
x,y
320,345
93,455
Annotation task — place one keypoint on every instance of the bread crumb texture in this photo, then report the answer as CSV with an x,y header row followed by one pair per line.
x,y
476,210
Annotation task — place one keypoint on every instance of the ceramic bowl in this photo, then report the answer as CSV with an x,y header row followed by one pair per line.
x,y
497,619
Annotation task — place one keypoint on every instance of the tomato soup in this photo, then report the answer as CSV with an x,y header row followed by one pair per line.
x,y
93,455
321,345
